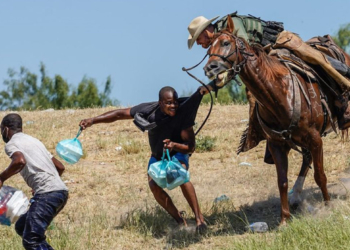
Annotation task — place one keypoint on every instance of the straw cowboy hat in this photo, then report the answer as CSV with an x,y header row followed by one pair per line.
x,y
196,27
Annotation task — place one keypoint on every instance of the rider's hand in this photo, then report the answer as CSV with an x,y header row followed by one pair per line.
x,y
86,123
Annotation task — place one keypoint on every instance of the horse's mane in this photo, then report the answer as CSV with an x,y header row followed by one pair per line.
x,y
273,69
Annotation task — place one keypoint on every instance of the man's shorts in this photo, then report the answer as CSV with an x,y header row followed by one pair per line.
x,y
183,158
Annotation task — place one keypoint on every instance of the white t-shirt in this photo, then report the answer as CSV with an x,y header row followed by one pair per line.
x,y
39,173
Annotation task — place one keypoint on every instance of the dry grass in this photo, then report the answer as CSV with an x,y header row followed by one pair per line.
x,y
110,205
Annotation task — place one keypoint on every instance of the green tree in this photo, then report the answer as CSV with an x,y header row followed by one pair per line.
x,y
104,96
231,93
46,91
24,91
60,95
342,37
87,94
21,89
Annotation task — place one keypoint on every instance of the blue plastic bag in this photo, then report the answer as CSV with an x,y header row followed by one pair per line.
x,y
176,174
70,150
168,172
158,173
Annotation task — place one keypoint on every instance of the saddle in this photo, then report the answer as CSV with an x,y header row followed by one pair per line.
x,y
326,45
310,55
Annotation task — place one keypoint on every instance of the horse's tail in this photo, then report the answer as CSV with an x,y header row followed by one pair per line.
x,y
243,141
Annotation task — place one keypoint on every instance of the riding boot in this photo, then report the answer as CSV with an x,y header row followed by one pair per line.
x,y
342,68
347,74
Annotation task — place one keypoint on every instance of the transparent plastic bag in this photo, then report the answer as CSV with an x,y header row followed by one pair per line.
x,y
13,203
176,174
168,172
157,172
70,150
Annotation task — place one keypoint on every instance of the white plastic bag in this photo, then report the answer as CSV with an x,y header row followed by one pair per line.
x,y
13,203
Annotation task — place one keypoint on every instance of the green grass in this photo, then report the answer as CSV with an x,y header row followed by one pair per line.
x,y
111,207
331,232
205,143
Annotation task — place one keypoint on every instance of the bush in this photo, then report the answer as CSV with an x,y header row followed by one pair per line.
x,y
205,143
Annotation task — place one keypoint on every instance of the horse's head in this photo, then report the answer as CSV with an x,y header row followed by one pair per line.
x,y
224,55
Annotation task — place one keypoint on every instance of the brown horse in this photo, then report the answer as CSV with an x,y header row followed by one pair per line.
x,y
289,108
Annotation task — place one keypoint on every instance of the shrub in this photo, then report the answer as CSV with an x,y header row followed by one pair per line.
x,y
205,143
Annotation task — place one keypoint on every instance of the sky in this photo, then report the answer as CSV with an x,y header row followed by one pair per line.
x,y
140,44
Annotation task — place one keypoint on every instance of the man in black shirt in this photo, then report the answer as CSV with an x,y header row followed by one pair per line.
x,y
170,126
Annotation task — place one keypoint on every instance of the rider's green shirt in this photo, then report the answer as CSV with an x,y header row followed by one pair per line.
x,y
247,27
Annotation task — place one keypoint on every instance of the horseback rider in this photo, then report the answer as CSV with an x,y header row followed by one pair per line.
x,y
250,28
265,33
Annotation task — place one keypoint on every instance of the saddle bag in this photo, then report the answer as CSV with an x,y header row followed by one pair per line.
x,y
271,31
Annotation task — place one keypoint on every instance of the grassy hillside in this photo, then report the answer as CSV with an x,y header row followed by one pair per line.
x,y
111,207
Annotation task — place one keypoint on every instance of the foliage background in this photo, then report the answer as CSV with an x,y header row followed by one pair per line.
x,y
28,91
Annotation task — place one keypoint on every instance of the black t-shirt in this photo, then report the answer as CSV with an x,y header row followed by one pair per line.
x,y
168,127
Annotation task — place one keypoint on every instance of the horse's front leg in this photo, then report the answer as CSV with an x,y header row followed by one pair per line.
x,y
319,174
295,198
280,156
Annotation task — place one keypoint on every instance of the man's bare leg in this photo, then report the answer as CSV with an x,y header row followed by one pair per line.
x,y
165,201
190,195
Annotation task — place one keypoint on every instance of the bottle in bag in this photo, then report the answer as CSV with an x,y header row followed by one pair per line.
x,y
5,220
3,209
5,196
13,203
3,202
258,227
171,175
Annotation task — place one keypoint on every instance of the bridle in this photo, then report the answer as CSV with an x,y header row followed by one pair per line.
x,y
240,49
236,68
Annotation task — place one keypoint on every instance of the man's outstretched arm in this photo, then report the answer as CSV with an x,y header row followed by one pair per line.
x,y
110,116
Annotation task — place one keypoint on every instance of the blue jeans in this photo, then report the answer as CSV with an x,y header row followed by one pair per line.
x,y
183,158
32,225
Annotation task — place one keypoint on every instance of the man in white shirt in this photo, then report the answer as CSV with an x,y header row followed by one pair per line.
x,y
42,172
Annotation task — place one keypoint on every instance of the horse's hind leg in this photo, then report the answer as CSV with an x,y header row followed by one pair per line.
x,y
319,174
295,198
280,156
344,135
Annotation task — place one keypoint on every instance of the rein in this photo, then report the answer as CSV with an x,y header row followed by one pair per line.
x,y
211,96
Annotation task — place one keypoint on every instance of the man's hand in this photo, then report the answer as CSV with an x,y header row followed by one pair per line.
x,y
86,123
168,144
203,90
